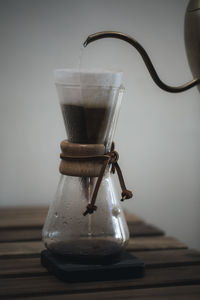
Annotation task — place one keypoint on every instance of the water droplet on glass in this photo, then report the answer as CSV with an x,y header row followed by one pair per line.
x,y
115,211
51,235
56,214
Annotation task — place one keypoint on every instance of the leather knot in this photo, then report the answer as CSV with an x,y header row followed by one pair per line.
x,y
114,156
110,158
90,209
126,194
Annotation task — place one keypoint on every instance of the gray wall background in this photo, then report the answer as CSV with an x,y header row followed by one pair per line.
x,y
158,134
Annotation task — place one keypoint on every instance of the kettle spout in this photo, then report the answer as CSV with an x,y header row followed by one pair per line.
x,y
87,41
146,59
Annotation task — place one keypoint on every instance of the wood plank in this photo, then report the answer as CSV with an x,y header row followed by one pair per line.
x,y
20,267
17,267
132,218
19,217
20,234
49,285
154,243
142,229
169,258
191,292
34,248
21,249
34,234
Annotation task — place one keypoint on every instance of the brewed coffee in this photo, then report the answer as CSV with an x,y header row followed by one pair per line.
x,y
85,124
88,250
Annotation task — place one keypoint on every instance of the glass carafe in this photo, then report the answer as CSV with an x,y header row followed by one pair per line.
x,y
90,103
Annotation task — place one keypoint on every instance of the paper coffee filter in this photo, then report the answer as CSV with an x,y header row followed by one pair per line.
x,y
87,87
93,77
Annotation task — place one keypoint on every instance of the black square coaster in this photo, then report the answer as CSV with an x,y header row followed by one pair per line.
x,y
128,267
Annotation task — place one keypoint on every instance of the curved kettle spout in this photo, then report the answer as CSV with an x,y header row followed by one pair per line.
x,y
146,59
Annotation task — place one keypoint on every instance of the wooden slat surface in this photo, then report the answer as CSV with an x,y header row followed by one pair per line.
x,y
139,229
172,270
20,217
143,229
39,285
34,248
162,293
16,267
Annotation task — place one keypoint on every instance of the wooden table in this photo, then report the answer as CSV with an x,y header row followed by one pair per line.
x,y
172,270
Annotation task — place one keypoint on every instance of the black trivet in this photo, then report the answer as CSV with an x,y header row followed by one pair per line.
x,y
128,267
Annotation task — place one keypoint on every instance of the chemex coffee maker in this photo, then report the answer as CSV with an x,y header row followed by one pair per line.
x,y
85,232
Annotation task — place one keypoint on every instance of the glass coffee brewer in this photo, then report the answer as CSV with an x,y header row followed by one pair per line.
x,y
76,228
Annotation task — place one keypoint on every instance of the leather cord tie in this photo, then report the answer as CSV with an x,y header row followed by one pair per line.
x,y
109,158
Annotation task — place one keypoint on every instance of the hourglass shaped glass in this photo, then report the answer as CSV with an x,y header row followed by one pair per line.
x,y
90,103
